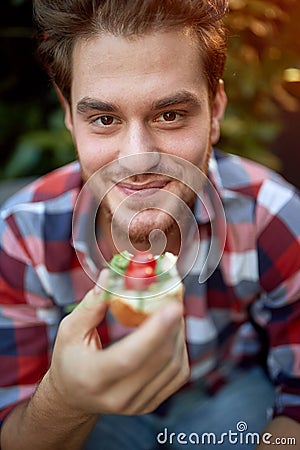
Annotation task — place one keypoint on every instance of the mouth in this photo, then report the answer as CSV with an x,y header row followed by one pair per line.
x,y
144,189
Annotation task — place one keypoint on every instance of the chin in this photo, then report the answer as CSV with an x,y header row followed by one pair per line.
x,y
147,222
150,229
147,228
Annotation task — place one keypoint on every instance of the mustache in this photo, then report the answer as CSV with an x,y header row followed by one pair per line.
x,y
144,165
159,173
194,181
166,168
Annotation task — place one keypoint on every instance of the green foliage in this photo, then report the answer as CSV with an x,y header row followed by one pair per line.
x,y
33,138
263,41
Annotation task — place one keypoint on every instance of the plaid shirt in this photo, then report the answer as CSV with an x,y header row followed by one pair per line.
x,y
248,308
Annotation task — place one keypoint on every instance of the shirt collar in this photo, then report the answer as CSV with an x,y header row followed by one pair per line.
x,y
205,204
83,231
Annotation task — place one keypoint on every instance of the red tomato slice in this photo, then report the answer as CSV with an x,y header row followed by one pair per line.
x,y
140,272
143,258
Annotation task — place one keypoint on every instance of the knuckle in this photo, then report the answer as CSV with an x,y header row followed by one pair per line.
x,y
125,364
116,404
149,408
167,351
175,366
186,373
178,360
180,370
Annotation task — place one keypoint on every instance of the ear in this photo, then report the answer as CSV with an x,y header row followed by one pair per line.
x,y
218,108
66,107
68,117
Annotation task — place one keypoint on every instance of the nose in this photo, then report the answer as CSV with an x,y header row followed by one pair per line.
x,y
138,151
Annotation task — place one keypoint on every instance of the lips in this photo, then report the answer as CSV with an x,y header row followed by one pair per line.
x,y
145,188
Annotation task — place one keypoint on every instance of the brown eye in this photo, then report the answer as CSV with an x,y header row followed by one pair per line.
x,y
106,120
170,116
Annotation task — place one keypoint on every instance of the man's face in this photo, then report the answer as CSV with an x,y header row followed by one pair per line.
x,y
137,103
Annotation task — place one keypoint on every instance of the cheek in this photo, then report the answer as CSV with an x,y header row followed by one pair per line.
x,y
93,155
195,147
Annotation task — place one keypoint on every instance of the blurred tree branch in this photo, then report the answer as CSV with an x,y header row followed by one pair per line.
x,y
263,42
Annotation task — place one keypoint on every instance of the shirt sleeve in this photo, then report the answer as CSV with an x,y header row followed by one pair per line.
x,y
25,336
278,309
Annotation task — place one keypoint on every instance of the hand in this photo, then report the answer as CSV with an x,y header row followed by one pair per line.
x,y
132,376
283,432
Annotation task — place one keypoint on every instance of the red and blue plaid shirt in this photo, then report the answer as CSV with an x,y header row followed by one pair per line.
x,y
248,309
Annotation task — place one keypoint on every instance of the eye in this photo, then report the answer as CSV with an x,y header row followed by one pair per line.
x,y
105,120
169,116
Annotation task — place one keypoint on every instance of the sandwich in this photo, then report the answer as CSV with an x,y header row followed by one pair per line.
x,y
139,284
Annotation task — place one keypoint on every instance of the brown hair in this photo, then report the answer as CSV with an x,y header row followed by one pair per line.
x,y
61,22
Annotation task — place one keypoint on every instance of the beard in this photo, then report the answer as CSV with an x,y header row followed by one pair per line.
x,y
137,223
149,224
145,227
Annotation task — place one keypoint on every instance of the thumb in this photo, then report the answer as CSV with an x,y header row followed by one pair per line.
x,y
92,308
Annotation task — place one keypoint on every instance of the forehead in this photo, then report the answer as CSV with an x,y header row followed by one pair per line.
x,y
149,65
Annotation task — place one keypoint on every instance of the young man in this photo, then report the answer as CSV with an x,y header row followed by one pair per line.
x,y
140,85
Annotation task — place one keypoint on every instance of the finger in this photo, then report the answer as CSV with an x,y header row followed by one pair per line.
x,y
160,327
152,382
91,310
167,383
167,377
152,341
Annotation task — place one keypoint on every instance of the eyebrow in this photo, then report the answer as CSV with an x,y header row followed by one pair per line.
x,y
181,97
90,104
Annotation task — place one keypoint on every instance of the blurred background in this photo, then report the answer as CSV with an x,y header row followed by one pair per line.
x,y
262,80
